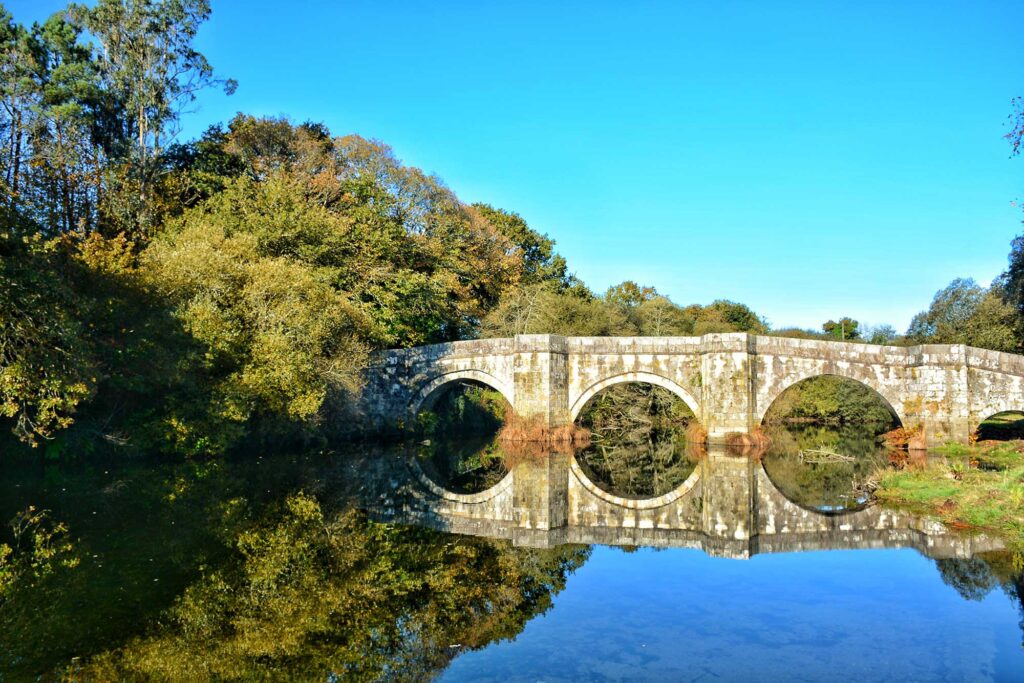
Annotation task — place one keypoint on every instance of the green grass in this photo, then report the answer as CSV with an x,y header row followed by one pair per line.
x,y
978,487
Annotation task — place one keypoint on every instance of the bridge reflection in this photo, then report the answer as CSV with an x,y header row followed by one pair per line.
x,y
728,506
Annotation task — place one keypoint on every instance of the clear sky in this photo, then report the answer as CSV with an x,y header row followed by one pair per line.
x,y
810,159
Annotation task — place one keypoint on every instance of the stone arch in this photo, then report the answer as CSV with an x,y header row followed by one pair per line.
x,y
635,503
465,499
627,377
789,512
891,399
421,396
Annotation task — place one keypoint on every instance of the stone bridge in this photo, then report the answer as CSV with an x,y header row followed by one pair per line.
x,y
727,507
727,380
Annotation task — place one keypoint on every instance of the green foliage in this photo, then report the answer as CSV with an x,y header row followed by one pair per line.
x,y
277,335
966,313
832,400
659,317
881,334
543,309
465,409
629,294
844,330
40,548
47,368
149,72
307,593
537,251
728,316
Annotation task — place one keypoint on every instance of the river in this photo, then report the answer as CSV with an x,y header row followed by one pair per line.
x,y
342,565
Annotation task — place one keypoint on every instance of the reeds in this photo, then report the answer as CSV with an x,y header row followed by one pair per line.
x,y
907,439
756,438
533,430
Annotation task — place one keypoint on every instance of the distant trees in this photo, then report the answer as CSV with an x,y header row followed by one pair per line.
x,y
846,329
965,313
84,125
626,309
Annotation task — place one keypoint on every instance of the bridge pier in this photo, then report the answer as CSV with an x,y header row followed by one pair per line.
x,y
727,382
540,378
938,395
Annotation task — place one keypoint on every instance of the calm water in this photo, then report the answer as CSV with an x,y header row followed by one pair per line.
x,y
274,567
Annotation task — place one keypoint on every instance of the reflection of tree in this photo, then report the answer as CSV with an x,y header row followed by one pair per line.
x,y
972,578
307,595
463,466
825,485
638,470
629,412
638,440
975,578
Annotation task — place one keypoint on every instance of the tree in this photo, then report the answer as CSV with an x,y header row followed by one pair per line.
x,y
1016,134
659,317
46,364
544,309
629,294
727,316
845,328
152,73
881,334
537,251
965,313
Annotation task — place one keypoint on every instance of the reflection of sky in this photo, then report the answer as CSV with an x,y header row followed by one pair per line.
x,y
681,615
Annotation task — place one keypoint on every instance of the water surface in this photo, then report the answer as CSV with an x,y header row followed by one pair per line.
x,y
238,568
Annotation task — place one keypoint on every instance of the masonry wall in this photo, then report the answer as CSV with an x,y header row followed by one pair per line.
x,y
728,380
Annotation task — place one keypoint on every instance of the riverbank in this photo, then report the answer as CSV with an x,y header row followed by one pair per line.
x,y
978,486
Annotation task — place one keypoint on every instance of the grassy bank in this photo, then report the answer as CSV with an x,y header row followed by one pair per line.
x,y
980,486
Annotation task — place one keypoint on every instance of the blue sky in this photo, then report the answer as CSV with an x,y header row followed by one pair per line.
x,y
809,159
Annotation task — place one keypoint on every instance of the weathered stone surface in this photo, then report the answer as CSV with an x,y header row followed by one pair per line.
x,y
728,380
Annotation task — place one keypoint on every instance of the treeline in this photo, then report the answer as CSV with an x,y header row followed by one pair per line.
x,y
190,296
